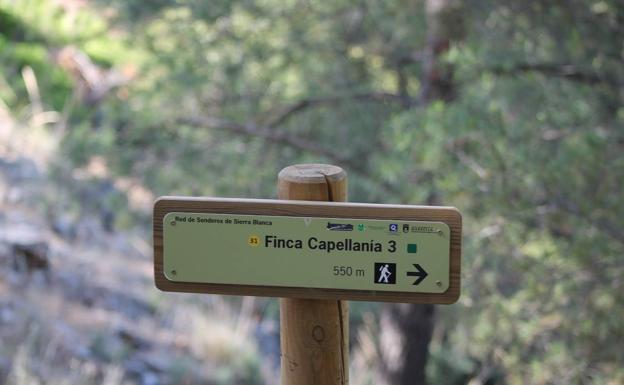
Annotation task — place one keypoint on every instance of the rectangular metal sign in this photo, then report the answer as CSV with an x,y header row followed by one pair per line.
x,y
308,249
323,253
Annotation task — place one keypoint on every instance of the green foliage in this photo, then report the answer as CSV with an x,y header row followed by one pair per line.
x,y
33,32
53,22
448,367
528,145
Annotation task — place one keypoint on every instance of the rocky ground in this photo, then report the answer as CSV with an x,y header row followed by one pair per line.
x,y
77,299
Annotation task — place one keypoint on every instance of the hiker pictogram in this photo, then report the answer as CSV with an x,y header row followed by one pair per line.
x,y
385,273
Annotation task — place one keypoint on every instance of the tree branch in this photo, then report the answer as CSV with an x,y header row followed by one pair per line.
x,y
607,227
564,71
283,137
376,97
267,133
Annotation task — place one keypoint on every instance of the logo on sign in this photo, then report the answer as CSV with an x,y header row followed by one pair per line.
x,y
393,227
361,227
253,240
339,226
406,228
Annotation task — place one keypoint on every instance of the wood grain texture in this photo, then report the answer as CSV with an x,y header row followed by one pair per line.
x,y
314,341
314,333
448,215
312,182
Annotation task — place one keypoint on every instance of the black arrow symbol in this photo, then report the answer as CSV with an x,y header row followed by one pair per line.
x,y
421,274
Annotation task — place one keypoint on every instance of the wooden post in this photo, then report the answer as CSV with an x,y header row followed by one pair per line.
x,y
314,333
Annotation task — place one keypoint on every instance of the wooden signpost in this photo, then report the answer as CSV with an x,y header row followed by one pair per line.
x,y
314,251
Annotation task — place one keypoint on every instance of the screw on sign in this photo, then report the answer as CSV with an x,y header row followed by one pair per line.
x,y
313,250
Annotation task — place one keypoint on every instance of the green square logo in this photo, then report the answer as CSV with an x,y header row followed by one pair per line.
x,y
412,248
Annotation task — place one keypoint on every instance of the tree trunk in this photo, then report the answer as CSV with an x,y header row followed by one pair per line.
x,y
406,330
405,334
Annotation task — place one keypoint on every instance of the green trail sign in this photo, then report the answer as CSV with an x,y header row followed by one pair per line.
x,y
308,249
323,253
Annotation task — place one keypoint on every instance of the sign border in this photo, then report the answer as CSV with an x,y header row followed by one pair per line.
x,y
449,215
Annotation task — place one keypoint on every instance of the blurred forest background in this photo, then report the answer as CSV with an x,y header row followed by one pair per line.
x,y
511,111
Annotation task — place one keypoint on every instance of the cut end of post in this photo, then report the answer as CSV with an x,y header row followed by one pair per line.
x,y
311,172
312,182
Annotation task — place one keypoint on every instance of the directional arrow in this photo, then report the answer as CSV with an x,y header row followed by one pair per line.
x,y
420,274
